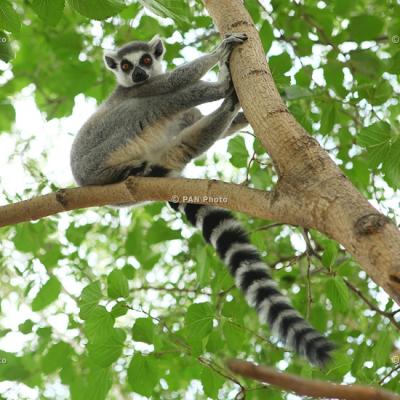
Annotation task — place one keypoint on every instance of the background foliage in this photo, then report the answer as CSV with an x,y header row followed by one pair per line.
x,y
132,304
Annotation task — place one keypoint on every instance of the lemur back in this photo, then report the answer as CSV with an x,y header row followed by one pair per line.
x,y
150,126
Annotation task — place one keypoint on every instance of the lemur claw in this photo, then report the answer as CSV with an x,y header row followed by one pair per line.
x,y
229,42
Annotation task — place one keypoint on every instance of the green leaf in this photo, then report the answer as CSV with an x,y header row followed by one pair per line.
x,y
6,54
48,293
266,35
76,235
143,330
202,266
199,320
30,237
365,27
97,9
359,357
143,374
98,384
342,7
51,255
328,117
253,8
330,253
7,113
56,357
382,349
296,92
119,309
108,350
391,165
394,64
160,232
50,11
13,368
215,342
129,271
168,8
130,12
319,317
366,63
117,284
99,325
333,74
9,19
280,64
89,299
377,139
378,93
237,148
234,336
337,293
211,382
26,327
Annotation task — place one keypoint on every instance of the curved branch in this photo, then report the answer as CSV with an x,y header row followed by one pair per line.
x,y
321,193
308,387
254,202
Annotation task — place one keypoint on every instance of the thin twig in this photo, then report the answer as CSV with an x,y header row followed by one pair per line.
x,y
394,369
173,289
309,252
268,226
371,305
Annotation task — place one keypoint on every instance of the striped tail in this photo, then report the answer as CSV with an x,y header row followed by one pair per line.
x,y
252,276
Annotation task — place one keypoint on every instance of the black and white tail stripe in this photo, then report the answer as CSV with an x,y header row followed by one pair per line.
x,y
252,276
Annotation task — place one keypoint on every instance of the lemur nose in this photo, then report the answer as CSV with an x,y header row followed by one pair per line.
x,y
139,75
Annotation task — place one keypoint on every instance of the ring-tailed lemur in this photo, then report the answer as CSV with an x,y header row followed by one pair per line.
x,y
149,126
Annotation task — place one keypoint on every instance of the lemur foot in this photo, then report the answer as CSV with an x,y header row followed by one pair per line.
x,y
230,41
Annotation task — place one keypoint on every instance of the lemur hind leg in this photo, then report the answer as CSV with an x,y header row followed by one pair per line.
x,y
199,137
238,123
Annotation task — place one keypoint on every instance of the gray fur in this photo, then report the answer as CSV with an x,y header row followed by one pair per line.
x,y
155,121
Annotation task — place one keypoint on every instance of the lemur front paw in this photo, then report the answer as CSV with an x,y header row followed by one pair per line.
x,y
231,40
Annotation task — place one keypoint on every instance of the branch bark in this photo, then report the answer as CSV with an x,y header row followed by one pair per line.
x,y
318,189
257,203
308,387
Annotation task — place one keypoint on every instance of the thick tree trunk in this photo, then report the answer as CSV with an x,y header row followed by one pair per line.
x,y
311,188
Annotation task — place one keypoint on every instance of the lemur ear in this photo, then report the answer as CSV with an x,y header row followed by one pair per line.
x,y
110,60
157,46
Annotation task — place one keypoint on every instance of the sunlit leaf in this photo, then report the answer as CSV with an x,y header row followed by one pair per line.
x,y
47,294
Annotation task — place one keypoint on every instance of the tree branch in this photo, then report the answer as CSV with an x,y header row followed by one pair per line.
x,y
254,202
308,177
308,387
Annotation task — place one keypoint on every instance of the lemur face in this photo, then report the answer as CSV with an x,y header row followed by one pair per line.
x,y
136,62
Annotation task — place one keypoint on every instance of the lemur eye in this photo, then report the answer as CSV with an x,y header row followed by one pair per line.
x,y
126,66
146,60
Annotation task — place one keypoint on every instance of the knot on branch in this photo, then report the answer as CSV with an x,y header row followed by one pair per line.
x,y
370,223
240,23
256,72
279,110
61,197
395,278
130,184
